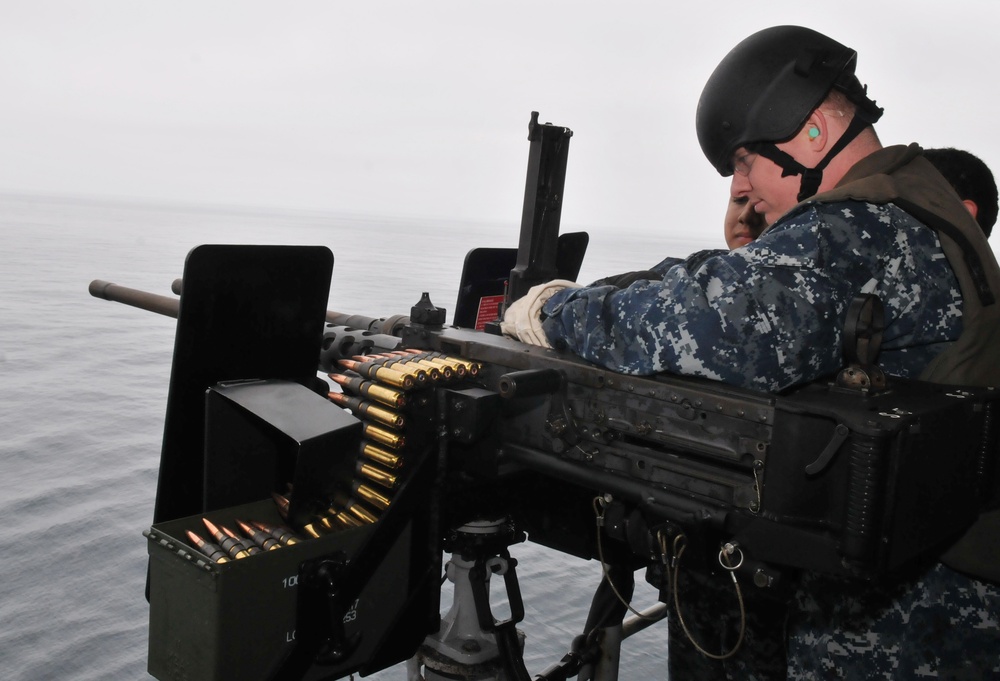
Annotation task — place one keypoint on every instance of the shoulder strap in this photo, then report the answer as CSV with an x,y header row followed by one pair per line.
x,y
901,175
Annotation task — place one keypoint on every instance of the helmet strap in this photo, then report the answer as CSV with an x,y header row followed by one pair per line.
x,y
811,177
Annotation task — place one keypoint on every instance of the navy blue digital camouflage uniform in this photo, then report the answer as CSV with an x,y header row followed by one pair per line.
x,y
768,316
872,633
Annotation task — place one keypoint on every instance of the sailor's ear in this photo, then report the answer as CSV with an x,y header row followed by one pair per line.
x,y
816,130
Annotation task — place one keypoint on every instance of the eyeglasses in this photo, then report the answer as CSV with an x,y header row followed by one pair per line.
x,y
742,163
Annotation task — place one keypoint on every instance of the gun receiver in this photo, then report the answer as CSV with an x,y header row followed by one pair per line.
x,y
823,478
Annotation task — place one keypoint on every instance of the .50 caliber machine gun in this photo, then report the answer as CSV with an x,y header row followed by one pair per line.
x,y
447,438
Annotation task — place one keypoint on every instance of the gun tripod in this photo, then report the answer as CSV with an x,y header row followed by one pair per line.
x,y
471,643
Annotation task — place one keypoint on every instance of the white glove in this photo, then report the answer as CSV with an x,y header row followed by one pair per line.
x,y
522,319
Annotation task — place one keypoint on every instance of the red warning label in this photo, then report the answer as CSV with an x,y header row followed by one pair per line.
x,y
489,309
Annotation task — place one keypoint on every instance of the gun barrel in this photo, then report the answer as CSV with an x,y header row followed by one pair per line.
x,y
390,326
152,302
167,306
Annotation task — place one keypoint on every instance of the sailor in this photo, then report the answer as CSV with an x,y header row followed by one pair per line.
x,y
972,180
785,116
740,226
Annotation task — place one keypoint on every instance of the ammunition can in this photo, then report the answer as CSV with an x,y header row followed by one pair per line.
x,y
228,621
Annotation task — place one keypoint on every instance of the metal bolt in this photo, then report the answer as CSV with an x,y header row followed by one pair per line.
x,y
761,579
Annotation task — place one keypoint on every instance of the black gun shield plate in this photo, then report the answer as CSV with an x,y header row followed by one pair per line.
x,y
485,273
246,312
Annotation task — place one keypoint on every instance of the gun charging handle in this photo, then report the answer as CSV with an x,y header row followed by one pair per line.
x,y
530,383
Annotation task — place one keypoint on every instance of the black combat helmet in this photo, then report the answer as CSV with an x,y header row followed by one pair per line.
x,y
766,87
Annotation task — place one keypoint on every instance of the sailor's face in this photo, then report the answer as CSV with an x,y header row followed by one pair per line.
x,y
759,180
742,224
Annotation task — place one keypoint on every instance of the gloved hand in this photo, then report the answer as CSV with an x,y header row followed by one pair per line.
x,y
522,320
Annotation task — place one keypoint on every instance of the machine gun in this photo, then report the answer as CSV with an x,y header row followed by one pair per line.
x,y
460,440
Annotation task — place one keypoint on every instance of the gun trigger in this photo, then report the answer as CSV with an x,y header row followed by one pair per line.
x,y
840,434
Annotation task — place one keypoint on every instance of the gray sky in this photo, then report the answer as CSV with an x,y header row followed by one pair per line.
x,y
420,109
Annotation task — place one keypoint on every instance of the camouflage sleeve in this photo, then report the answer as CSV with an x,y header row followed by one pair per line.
x,y
692,262
696,260
626,279
664,265
766,316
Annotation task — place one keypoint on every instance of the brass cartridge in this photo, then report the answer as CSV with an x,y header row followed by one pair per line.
x,y
342,518
381,394
355,508
261,539
443,370
248,546
370,496
374,372
368,409
381,456
280,533
382,436
448,368
471,367
422,376
323,523
231,546
282,503
376,475
348,519
311,530
212,551
330,524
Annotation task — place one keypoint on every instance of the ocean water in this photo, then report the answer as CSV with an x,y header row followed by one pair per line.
x,y
83,387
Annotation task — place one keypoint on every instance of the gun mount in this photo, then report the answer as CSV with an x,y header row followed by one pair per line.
x,y
446,438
